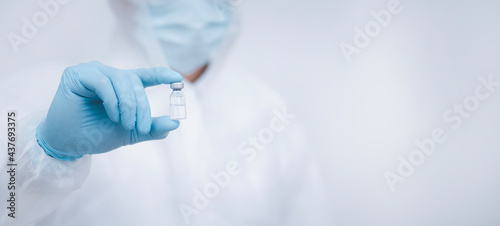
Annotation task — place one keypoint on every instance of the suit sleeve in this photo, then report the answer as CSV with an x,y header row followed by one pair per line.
x,y
41,182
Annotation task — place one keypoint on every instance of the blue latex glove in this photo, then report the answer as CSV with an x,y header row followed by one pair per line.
x,y
98,108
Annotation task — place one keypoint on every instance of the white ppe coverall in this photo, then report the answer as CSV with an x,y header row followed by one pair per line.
x,y
239,158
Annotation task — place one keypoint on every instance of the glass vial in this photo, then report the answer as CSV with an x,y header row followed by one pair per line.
x,y
177,101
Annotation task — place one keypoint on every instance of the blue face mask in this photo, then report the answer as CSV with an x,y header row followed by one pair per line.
x,y
189,31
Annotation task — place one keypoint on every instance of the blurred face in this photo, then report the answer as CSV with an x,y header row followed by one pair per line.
x,y
189,31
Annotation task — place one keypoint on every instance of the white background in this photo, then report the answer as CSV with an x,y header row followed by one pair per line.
x,y
359,117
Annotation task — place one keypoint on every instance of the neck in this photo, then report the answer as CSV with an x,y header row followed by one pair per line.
x,y
196,75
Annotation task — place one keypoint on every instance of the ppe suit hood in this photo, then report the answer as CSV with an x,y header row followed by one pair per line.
x,y
134,24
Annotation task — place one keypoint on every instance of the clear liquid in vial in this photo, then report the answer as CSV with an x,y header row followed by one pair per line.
x,y
177,111
177,105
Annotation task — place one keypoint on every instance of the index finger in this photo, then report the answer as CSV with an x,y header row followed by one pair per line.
x,y
157,75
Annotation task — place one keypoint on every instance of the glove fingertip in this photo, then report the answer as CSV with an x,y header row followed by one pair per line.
x,y
114,117
177,77
161,126
144,129
169,76
111,110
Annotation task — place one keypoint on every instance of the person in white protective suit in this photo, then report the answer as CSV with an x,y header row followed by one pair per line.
x,y
239,158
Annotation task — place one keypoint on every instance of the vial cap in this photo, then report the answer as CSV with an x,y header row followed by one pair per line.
x,y
177,85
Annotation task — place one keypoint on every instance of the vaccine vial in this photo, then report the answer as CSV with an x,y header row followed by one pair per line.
x,y
177,101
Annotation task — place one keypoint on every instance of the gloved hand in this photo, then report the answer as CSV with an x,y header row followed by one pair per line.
x,y
98,108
